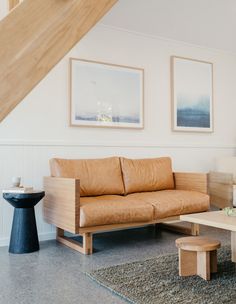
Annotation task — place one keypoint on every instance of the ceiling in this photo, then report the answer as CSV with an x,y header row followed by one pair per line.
x,y
209,23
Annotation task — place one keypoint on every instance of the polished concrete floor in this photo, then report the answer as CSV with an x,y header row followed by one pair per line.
x,y
56,274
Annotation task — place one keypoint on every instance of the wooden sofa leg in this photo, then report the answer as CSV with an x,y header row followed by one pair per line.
x,y
86,247
195,229
88,243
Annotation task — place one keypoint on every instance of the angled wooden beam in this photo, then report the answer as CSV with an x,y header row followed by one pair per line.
x,y
35,36
12,3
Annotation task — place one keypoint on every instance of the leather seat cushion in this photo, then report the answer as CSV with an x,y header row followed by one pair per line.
x,y
113,209
149,174
97,176
173,202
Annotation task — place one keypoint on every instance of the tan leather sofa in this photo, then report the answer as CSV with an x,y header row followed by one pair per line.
x,y
94,195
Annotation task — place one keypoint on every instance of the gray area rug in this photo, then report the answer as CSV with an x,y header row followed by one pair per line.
x,y
156,281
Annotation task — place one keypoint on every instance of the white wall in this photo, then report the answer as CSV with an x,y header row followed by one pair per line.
x,y
3,8
38,128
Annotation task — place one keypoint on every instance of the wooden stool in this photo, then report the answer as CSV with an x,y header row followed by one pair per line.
x,y
197,255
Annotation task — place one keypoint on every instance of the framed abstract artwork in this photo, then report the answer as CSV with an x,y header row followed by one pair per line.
x,y
192,95
105,95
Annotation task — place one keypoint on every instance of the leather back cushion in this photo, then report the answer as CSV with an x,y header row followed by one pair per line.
x,y
97,176
142,175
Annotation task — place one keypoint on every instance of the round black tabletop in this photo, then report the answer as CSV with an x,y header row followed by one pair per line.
x,y
23,200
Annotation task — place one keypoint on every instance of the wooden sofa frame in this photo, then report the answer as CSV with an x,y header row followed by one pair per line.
x,y
222,189
62,208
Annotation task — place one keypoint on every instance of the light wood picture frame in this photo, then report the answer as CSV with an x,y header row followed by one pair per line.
x,y
191,94
106,95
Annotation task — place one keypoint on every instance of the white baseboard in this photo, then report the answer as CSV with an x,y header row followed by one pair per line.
x,y
47,236
4,242
42,237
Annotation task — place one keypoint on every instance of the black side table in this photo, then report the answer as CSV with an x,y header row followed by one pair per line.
x,y
24,235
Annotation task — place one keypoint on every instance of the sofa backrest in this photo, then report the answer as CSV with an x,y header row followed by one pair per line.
x,y
97,176
151,174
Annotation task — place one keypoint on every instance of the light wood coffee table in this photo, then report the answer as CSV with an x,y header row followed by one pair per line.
x,y
216,219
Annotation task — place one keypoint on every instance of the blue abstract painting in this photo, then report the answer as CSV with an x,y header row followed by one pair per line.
x,y
192,95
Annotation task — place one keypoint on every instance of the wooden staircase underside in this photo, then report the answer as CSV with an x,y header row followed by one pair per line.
x,y
13,3
35,36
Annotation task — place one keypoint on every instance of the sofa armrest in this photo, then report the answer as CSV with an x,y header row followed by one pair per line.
x,y
61,202
221,189
191,181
